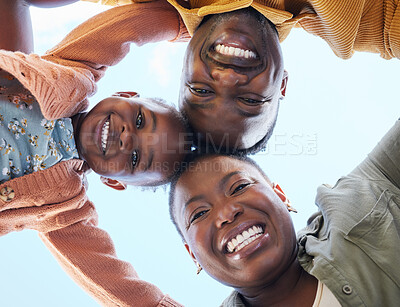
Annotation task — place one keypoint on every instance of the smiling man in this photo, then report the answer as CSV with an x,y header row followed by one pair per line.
x,y
230,88
232,81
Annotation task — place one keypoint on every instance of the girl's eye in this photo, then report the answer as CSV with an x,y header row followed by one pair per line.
x,y
200,91
240,187
198,215
139,120
135,158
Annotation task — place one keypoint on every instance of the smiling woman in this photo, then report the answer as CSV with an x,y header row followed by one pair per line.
x,y
235,224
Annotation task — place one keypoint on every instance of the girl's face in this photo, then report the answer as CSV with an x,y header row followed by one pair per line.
x,y
233,223
130,139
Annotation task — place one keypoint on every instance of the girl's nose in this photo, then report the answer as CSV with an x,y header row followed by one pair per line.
x,y
127,140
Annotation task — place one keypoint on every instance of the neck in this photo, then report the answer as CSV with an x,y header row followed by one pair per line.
x,y
76,124
295,287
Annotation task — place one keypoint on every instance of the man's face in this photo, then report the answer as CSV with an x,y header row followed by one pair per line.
x,y
232,79
234,224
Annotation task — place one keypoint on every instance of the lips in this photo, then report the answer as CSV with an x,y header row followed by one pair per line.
x,y
244,238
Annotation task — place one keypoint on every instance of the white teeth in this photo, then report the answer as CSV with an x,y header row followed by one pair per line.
x,y
104,134
233,51
234,242
243,239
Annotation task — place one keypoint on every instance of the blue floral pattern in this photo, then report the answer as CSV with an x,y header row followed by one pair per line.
x,y
29,142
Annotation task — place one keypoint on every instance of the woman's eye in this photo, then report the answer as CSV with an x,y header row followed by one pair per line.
x,y
198,215
139,120
135,158
240,187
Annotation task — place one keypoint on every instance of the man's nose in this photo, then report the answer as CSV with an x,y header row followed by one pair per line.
x,y
227,213
228,77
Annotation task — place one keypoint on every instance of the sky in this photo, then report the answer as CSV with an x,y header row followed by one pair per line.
x,y
334,112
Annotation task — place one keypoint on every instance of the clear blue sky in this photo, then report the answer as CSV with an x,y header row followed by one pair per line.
x,y
335,111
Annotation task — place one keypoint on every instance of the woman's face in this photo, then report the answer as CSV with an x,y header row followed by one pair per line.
x,y
233,223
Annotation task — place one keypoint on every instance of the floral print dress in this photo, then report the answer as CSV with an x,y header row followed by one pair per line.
x,y
28,141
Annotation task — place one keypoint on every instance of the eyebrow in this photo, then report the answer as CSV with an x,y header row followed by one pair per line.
x,y
208,106
149,160
154,121
223,181
193,199
226,178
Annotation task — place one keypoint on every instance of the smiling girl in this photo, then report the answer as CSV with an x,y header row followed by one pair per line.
x,y
48,141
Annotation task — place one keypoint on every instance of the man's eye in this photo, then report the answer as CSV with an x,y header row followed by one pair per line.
x,y
250,101
135,158
198,215
239,188
200,91
139,120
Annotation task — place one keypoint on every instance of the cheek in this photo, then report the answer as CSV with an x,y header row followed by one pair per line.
x,y
197,238
110,167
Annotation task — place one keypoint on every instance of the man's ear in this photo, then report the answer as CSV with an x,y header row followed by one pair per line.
x,y
126,94
112,183
190,253
284,84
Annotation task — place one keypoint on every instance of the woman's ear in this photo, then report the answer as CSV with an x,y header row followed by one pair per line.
x,y
190,252
199,268
278,191
112,183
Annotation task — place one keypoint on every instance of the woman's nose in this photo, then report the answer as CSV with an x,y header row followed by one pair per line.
x,y
227,77
227,213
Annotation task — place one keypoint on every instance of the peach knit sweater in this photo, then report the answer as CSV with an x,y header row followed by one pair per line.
x,y
54,201
346,25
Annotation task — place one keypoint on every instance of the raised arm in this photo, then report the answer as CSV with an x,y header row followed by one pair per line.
x,y
15,22
65,77
87,254
16,26
105,39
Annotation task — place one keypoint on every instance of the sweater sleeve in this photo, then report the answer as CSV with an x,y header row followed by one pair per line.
x,y
105,39
87,254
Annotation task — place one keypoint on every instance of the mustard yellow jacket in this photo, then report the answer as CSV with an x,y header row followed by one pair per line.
x,y
347,26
